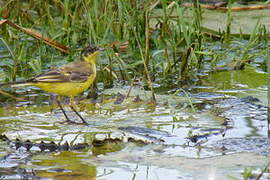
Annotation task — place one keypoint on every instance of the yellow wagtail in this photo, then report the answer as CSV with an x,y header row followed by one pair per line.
x,y
67,80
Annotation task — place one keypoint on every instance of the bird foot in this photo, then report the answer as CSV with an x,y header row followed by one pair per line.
x,y
73,122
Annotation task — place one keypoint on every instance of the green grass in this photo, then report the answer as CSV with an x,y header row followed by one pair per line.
x,y
164,46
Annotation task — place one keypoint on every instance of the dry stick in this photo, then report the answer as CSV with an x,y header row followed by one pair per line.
x,y
213,7
36,35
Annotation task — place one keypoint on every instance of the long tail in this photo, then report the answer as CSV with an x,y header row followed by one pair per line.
x,y
16,84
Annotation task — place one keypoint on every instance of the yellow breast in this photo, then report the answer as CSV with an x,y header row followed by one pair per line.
x,y
69,89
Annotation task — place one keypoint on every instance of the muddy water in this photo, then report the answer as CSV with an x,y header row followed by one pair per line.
x,y
213,134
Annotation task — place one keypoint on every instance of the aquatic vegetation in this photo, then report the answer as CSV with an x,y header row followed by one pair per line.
x,y
162,42
178,83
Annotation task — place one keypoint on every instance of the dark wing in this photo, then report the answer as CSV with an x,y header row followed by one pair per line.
x,y
64,74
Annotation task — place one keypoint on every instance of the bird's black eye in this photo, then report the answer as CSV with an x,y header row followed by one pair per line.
x,y
89,50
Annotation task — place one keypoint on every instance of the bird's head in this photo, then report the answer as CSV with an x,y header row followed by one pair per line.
x,y
89,53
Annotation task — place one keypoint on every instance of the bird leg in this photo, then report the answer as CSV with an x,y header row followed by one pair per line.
x,y
74,110
63,111
71,105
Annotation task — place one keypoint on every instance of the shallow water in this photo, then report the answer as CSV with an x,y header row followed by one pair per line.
x,y
209,131
180,141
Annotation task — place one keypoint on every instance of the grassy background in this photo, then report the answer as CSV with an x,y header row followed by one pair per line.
x,y
160,41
